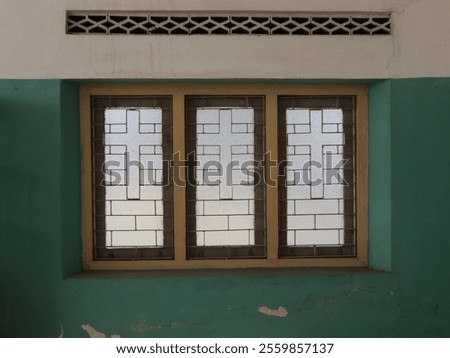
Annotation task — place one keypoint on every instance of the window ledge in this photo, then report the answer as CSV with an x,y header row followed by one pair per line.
x,y
260,272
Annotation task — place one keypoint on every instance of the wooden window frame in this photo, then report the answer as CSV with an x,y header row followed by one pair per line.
x,y
178,92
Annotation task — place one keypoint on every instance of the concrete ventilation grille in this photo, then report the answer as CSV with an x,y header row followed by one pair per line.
x,y
145,23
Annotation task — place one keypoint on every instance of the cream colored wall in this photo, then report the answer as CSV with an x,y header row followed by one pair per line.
x,y
33,43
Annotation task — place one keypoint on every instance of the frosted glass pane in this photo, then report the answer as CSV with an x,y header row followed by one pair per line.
x,y
225,193
133,179
315,204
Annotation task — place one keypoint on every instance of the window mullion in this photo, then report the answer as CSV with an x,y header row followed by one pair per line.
x,y
362,172
179,172
271,150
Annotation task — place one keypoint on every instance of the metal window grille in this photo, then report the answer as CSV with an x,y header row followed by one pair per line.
x,y
317,211
225,220
125,214
203,23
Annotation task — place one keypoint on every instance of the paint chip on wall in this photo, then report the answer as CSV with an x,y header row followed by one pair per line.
x,y
279,312
93,333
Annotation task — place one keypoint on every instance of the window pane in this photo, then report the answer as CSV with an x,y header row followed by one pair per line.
x,y
135,138
224,186
131,182
317,193
316,217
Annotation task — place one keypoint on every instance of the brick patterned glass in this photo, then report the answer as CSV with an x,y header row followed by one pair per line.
x,y
317,193
226,143
129,161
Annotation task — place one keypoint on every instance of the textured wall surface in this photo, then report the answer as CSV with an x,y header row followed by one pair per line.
x,y
34,43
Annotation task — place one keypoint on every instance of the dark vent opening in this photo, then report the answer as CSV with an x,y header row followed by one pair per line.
x,y
220,19
138,19
280,20
129,24
178,31
380,32
361,32
97,18
341,32
240,19
76,18
360,20
300,20
199,19
160,31
320,20
320,31
118,30
219,31
240,31
159,19
138,31
260,31
340,20
280,31
202,23
300,32
98,30
118,18
87,23
199,31
371,26
77,30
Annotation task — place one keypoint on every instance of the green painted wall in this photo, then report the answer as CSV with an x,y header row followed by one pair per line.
x,y
30,220
409,206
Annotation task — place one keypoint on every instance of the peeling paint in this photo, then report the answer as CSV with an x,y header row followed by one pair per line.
x,y
93,333
279,312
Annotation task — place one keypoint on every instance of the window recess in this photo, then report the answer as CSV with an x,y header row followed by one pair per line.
x,y
223,176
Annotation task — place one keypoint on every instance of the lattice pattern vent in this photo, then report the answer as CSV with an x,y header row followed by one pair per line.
x,y
145,23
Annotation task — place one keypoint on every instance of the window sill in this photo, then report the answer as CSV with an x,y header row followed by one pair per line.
x,y
259,272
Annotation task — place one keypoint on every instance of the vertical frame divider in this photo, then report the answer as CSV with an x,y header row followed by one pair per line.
x,y
179,172
271,150
362,175
86,178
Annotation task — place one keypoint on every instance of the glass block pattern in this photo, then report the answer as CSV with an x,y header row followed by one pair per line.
x,y
133,158
224,212
317,194
131,186
203,23
224,189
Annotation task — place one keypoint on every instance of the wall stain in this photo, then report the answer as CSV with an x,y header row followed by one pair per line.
x,y
143,326
279,312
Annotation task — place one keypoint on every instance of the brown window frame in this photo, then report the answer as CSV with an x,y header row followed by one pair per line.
x,y
179,92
